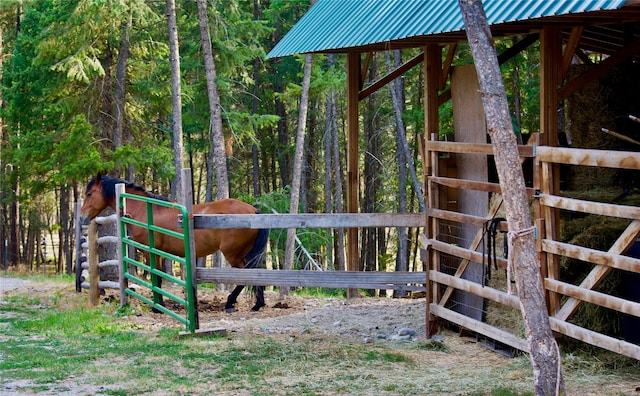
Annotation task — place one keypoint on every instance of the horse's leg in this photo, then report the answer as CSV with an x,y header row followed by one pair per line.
x,y
259,290
156,280
232,299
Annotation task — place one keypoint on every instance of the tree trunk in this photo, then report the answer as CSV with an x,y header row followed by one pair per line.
x,y
371,241
3,192
402,251
219,157
297,165
328,124
176,99
282,147
64,262
121,84
255,159
544,351
333,157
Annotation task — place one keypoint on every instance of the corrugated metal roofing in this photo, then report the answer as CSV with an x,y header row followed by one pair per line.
x,y
338,24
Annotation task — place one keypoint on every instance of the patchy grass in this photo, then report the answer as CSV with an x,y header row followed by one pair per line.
x,y
54,344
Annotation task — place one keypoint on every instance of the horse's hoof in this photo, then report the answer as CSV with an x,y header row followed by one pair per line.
x,y
257,307
230,310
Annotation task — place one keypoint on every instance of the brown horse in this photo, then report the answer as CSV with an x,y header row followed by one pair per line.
x,y
243,248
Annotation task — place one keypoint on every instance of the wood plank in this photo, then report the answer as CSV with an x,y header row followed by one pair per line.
x,y
608,259
475,288
397,72
480,327
589,157
626,239
291,278
457,217
473,148
473,185
602,68
308,220
596,208
495,206
570,50
594,297
591,337
354,83
466,254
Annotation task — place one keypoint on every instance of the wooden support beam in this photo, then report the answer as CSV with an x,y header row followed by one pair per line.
x,y
570,50
603,67
550,66
400,70
354,76
432,71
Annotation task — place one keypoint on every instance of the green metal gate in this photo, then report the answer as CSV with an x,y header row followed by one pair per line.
x,y
190,320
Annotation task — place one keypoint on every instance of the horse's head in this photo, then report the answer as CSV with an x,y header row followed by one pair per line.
x,y
94,200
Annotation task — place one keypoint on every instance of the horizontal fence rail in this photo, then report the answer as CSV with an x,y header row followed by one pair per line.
x,y
307,220
599,158
400,280
446,256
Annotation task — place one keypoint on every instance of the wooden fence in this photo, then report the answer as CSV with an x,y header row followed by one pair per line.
x,y
398,280
88,260
563,298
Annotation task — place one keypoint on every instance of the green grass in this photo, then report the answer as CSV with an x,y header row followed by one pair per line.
x,y
54,342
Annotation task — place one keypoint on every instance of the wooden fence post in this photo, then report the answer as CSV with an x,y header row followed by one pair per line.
x,y
94,272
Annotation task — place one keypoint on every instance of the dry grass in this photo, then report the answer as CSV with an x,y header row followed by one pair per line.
x,y
250,361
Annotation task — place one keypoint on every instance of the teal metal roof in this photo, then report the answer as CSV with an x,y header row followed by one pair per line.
x,y
335,25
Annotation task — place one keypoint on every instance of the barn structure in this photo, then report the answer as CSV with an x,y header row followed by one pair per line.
x,y
461,193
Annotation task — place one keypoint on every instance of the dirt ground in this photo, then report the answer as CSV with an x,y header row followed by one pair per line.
x,y
363,318
367,320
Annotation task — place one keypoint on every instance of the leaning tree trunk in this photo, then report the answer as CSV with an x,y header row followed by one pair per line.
x,y
544,351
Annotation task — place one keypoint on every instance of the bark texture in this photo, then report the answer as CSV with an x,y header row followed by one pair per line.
x,y
176,95
217,157
544,351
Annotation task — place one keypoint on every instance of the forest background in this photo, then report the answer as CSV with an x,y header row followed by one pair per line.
x,y
86,87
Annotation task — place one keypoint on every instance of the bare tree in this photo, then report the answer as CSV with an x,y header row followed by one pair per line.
x,y
176,99
217,155
297,165
544,352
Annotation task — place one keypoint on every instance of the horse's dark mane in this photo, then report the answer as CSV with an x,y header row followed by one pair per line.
x,y
109,188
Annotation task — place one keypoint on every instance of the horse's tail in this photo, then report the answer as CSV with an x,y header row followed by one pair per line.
x,y
255,257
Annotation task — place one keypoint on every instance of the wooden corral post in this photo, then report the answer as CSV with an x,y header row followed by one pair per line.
x,y
78,247
187,191
353,88
124,284
94,272
432,73
550,79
